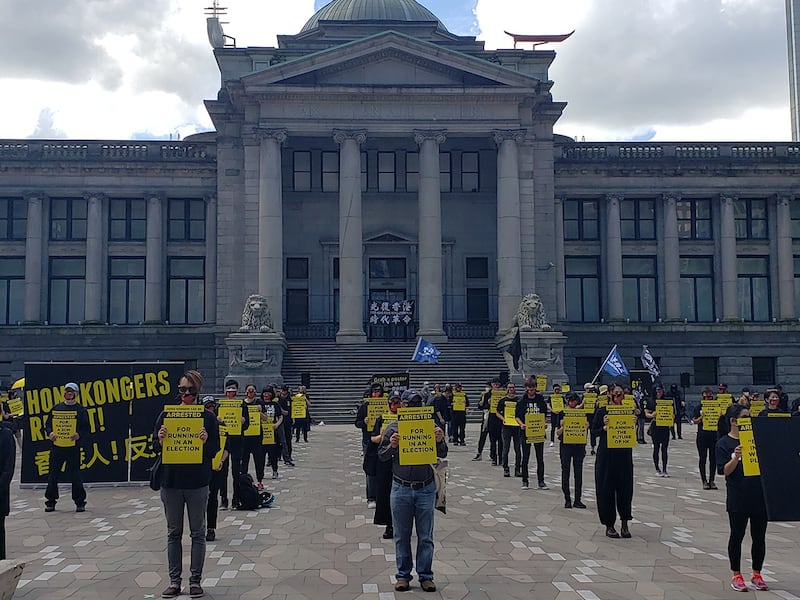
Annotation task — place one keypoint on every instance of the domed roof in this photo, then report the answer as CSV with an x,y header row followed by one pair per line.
x,y
372,10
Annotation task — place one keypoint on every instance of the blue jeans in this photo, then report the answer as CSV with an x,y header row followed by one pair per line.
x,y
411,506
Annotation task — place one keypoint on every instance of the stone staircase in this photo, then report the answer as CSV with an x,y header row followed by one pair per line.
x,y
340,374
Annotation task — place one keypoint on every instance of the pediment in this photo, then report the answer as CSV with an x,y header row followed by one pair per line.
x,y
390,237
388,59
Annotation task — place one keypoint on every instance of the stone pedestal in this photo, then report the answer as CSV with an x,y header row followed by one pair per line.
x,y
255,358
542,354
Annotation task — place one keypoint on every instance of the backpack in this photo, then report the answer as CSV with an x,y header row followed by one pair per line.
x,y
249,495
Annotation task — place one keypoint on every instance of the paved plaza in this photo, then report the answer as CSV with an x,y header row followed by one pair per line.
x,y
318,541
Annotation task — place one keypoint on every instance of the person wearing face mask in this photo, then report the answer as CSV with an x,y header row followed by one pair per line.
x,y
185,488
658,433
251,441
275,420
236,441
773,403
572,456
66,452
532,402
383,469
744,502
706,442
510,433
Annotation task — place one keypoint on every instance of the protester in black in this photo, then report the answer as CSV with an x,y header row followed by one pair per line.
x,y
218,475
459,418
361,422
494,425
659,434
285,401
441,408
572,456
706,442
531,402
69,457
272,410
745,502
236,441
251,444
679,409
383,470
613,474
483,405
8,453
510,433
556,391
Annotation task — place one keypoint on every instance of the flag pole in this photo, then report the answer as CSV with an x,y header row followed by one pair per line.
x,y
603,364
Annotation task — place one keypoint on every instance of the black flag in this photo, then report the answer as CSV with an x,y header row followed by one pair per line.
x,y
515,350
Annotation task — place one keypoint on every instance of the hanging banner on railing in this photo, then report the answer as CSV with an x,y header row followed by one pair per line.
x,y
391,313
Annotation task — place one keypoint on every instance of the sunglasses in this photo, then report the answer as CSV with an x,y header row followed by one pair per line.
x,y
187,391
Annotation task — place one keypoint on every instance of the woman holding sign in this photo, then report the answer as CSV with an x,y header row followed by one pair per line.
x,y
571,431
613,470
531,411
187,437
659,411
745,499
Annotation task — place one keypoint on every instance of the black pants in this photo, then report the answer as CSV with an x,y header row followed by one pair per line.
x,y
235,451
301,426
660,445
706,448
2,538
71,458
613,475
273,452
482,438
677,426
459,426
526,457
287,448
758,534
495,442
219,479
593,436
511,438
572,455
251,446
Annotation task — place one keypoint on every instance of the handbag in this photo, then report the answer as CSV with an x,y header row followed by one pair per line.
x,y
440,477
155,474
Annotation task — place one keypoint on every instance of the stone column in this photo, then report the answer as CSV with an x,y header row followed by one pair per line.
x,y
94,259
730,310
561,278
34,250
429,300
509,232
785,259
351,249
154,260
211,260
614,258
270,223
671,254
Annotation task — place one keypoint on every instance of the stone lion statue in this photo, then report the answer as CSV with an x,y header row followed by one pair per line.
x,y
256,315
530,314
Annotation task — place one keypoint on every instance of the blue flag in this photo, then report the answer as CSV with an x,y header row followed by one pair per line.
x,y
613,364
425,352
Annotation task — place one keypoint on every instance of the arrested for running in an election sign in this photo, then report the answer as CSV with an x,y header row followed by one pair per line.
x,y
183,445
230,412
417,443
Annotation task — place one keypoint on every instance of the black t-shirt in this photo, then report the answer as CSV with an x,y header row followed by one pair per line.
x,y
702,433
744,493
526,405
286,405
501,409
650,405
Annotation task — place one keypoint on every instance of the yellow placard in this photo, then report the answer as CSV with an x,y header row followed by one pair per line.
x,y
300,406
772,413
65,425
16,407
459,402
628,401
510,414
564,387
497,395
602,400
725,399
574,426
665,413
589,402
557,403
388,417
183,445
748,443
254,427
216,462
535,428
417,440
541,383
621,427
711,414
230,412
375,408
756,406
267,433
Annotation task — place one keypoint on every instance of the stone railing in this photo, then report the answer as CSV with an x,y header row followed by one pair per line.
x,y
648,151
149,151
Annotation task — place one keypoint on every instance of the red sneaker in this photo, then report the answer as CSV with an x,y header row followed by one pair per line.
x,y
758,581
260,485
738,584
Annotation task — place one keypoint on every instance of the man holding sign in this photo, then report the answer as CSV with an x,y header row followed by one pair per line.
x,y
531,410
571,430
68,429
413,444
506,414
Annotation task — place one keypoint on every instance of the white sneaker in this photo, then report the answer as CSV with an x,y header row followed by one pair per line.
x,y
371,504
664,473
551,444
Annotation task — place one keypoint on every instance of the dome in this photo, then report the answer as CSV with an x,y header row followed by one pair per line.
x,y
372,10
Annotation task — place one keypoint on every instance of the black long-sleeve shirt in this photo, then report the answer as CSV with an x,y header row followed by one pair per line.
x,y
82,416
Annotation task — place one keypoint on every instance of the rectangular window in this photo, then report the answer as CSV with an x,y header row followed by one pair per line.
x,y
412,171
67,285
186,292
387,268
296,268
470,172
797,286
67,219
639,289
705,370
363,171
336,268
12,290
586,367
330,171
301,170
763,370
477,267
581,220
794,215
751,218
694,219
582,288
13,218
445,172
126,290
753,288
386,172
127,219
477,305
187,220
697,288
638,219
297,306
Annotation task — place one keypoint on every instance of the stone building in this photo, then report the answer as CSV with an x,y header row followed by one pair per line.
x,y
374,157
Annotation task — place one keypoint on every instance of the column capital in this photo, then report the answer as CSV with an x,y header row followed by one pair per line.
x,y
359,135
255,135
514,135
34,196
437,135
96,195
614,198
784,198
727,198
154,195
671,196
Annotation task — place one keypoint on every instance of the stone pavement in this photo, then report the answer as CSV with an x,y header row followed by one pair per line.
x,y
318,541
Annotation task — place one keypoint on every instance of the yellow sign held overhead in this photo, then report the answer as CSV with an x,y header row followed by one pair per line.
x,y
415,427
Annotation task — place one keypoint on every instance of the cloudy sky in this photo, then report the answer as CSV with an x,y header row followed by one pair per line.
x,y
634,70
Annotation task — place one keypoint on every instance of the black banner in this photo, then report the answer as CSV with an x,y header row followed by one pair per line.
x,y
123,401
390,381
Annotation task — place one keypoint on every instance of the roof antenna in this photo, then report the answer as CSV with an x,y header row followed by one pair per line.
x,y
216,37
